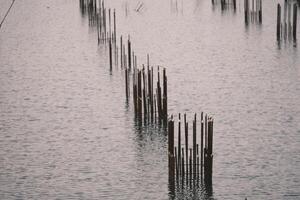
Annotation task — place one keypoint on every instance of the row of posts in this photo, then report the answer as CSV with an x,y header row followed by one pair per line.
x,y
149,98
190,162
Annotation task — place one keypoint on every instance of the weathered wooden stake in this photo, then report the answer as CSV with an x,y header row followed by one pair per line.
x,y
278,21
295,22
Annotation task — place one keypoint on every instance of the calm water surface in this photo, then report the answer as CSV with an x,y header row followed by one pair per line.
x,y
67,133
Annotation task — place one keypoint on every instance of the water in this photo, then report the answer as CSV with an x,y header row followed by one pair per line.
x,y
66,132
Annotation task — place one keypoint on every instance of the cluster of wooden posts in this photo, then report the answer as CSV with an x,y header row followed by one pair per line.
x,y
188,163
225,4
253,11
287,29
149,105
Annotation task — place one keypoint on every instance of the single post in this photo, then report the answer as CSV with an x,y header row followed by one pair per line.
x,y
194,144
159,98
171,148
134,83
121,49
176,164
284,20
126,84
129,53
201,147
140,95
179,139
246,10
278,21
191,164
152,97
165,98
115,28
295,22
186,141
260,11
234,5
182,164
110,55
150,112
289,20
144,96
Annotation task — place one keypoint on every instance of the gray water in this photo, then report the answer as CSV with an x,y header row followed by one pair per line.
x,y
67,133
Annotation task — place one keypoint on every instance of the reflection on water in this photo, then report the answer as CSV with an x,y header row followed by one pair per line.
x,y
190,189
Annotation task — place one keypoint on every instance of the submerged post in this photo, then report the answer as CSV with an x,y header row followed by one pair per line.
x,y
110,55
278,21
295,22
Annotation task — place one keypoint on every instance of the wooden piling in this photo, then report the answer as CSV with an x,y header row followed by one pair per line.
x,y
121,49
144,96
260,11
171,148
179,139
194,145
278,21
246,10
295,22
234,5
110,55
115,28
126,83
159,107
201,147
165,98
186,141
129,53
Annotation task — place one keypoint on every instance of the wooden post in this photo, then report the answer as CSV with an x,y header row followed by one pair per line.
x,y
278,21
171,147
104,22
110,55
121,49
165,98
194,144
186,141
289,20
246,10
134,92
191,165
176,164
260,11
197,171
155,110
159,97
179,139
284,20
201,147
115,28
182,164
150,112
144,95
129,53
295,22
140,95
234,5
126,83
152,97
